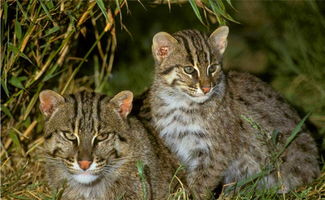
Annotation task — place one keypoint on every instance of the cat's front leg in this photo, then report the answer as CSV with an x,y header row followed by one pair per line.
x,y
203,180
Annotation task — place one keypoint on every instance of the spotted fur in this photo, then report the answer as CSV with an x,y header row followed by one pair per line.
x,y
207,131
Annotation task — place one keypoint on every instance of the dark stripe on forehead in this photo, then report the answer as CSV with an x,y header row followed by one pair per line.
x,y
79,110
183,38
201,46
100,102
73,100
196,38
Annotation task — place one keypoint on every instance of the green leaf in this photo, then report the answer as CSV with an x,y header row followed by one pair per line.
x,y
51,30
274,136
46,10
4,86
296,130
18,30
196,10
14,138
117,4
294,134
101,5
140,166
16,50
249,179
229,2
49,4
219,9
16,81
6,111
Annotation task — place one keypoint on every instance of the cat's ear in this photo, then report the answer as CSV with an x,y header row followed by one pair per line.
x,y
49,101
123,103
162,45
218,38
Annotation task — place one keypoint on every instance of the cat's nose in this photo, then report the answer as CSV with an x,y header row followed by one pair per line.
x,y
84,164
206,89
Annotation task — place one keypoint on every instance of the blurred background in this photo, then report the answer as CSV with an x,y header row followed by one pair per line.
x,y
105,46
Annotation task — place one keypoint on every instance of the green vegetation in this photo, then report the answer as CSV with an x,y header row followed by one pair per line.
x,y
104,45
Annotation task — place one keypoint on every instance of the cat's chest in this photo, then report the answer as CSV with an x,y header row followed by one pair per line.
x,y
183,127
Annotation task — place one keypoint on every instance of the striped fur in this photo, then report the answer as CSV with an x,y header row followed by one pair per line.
x,y
75,131
207,132
193,50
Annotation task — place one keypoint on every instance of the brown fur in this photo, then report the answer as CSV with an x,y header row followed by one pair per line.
x,y
208,132
88,115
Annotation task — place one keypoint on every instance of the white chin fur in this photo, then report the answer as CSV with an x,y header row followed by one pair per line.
x,y
199,99
84,178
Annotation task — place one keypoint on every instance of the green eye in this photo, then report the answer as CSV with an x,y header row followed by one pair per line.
x,y
102,137
70,136
189,69
213,68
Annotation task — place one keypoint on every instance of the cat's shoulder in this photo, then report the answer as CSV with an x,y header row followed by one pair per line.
x,y
248,83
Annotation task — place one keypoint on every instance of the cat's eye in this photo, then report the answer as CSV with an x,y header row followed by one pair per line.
x,y
102,136
70,136
189,69
213,68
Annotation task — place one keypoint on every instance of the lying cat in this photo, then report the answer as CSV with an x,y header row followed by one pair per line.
x,y
93,147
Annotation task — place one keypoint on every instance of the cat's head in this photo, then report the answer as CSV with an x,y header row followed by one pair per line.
x,y
86,133
190,62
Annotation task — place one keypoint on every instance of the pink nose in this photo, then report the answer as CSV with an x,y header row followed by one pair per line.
x,y
206,89
84,164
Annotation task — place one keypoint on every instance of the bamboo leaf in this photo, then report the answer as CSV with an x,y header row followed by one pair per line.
x,y
196,10
118,5
101,5
229,2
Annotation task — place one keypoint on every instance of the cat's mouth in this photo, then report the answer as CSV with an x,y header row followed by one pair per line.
x,y
85,177
198,96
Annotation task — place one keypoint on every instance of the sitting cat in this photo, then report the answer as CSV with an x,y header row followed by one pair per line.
x,y
199,112
92,147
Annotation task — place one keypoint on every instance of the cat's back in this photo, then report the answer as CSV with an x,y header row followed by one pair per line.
x,y
256,99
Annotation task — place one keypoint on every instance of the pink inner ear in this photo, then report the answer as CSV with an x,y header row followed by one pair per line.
x,y
162,51
126,107
46,107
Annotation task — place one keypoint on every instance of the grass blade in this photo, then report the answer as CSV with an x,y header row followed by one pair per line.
x,y
18,30
6,111
101,5
294,134
140,166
